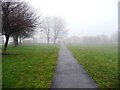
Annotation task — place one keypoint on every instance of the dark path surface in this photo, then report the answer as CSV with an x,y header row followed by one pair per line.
x,y
69,73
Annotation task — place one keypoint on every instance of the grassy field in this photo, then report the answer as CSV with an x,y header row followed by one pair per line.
x,y
101,61
0,67
29,66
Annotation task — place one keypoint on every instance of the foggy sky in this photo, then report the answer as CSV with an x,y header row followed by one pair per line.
x,y
83,17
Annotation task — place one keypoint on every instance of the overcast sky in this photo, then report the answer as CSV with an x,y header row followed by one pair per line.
x,y
83,17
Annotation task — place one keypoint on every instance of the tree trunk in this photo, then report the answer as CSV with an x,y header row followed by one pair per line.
x,y
20,40
54,41
48,40
5,46
15,40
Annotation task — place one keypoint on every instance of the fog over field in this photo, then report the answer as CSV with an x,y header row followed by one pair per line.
x,y
84,20
59,43
83,17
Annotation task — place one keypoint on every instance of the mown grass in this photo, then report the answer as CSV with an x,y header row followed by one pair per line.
x,y
0,67
29,66
101,61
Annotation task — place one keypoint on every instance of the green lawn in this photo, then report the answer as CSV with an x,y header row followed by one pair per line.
x,y
0,67
101,61
29,66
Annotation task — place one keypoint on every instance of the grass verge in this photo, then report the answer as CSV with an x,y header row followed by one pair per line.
x,y
29,66
101,61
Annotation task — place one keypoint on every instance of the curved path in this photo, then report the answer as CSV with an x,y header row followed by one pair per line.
x,y
69,73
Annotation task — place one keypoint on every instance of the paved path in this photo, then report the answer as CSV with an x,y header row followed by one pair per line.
x,y
69,73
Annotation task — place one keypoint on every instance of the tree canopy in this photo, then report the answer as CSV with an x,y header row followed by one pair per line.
x,y
18,19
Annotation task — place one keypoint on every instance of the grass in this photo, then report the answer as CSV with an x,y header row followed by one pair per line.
x,y
101,61
0,67
29,66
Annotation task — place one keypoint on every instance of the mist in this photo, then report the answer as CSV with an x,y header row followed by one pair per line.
x,y
84,18
87,21
75,41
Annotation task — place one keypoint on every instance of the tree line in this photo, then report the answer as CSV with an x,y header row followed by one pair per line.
x,y
98,39
19,20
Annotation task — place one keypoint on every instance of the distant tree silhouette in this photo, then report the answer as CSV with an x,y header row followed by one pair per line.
x,y
47,26
59,28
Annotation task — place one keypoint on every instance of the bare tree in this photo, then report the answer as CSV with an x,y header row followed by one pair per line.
x,y
16,17
47,26
25,34
22,34
31,20
59,28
